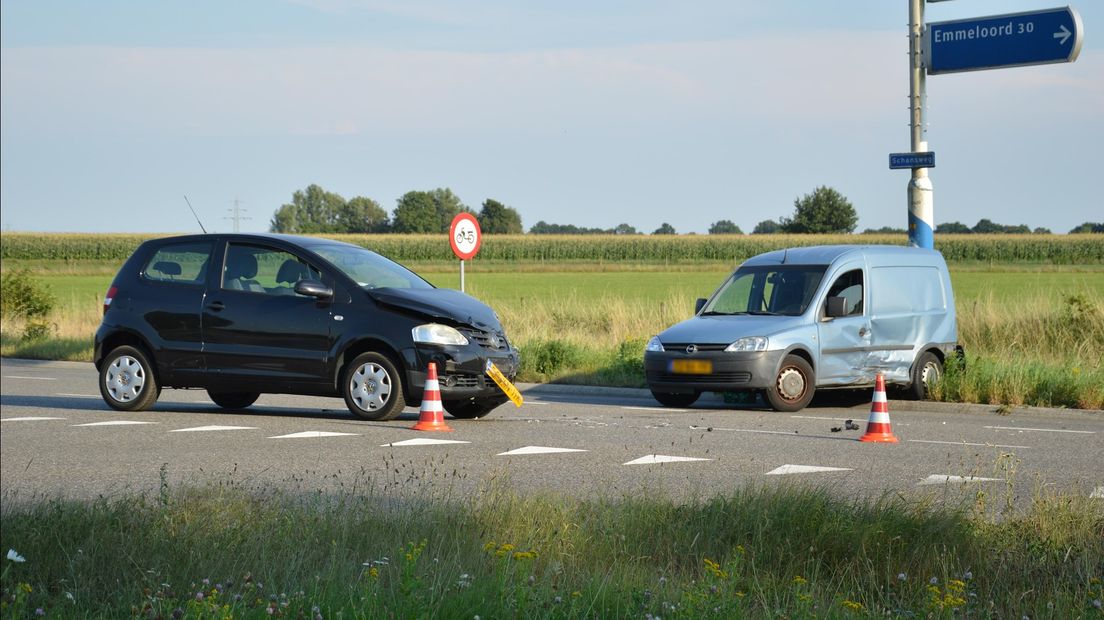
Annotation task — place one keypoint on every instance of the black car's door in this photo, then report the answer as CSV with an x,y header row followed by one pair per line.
x,y
256,327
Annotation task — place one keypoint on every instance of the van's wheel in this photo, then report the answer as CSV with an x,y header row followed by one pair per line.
x,y
793,386
372,387
472,409
127,382
233,400
926,372
675,399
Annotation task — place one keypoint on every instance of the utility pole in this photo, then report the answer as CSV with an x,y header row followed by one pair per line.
x,y
921,212
237,215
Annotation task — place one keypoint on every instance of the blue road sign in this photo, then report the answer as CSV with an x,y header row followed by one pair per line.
x,y
996,41
925,159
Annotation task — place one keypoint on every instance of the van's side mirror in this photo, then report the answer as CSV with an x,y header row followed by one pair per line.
x,y
313,288
699,304
837,306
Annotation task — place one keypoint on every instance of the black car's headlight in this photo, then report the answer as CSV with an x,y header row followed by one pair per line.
x,y
435,333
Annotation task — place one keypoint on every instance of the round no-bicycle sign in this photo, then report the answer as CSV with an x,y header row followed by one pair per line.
x,y
464,236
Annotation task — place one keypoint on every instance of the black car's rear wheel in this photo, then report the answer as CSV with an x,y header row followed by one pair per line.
x,y
675,399
127,382
233,400
793,386
372,387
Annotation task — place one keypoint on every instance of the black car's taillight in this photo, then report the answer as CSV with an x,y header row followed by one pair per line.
x,y
109,296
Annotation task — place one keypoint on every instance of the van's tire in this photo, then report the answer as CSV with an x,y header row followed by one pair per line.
x,y
472,408
793,386
233,400
925,373
676,399
372,387
127,381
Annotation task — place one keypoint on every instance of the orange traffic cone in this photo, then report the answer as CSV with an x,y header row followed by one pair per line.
x,y
877,428
432,414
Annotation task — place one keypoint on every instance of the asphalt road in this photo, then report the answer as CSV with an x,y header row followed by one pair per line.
x,y
58,438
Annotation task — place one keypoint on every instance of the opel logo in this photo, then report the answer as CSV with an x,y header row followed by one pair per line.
x,y
692,349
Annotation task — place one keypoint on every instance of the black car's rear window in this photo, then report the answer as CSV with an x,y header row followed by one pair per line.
x,y
179,263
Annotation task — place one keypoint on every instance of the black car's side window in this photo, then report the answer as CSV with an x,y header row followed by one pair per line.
x,y
179,263
257,269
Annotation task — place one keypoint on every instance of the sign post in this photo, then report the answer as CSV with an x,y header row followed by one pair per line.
x,y
465,238
998,41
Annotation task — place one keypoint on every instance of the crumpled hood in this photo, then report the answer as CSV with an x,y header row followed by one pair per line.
x,y
727,329
440,303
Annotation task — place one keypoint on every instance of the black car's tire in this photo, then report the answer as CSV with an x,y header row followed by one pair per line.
x,y
675,399
233,400
925,373
472,409
793,386
372,387
127,381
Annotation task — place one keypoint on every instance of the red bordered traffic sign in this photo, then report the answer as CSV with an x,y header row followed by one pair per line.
x,y
465,236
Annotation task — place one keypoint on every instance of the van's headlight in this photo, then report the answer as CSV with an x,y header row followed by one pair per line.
x,y
654,345
754,343
435,333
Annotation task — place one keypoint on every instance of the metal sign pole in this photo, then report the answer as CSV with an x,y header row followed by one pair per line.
x,y
461,276
921,215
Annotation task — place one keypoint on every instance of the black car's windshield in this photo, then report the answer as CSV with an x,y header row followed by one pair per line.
x,y
767,290
369,269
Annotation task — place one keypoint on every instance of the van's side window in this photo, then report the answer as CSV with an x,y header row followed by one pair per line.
x,y
179,263
264,270
850,287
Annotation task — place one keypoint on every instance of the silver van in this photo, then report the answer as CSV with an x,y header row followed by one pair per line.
x,y
789,322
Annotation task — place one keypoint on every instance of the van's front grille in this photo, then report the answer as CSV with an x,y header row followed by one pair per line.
x,y
680,347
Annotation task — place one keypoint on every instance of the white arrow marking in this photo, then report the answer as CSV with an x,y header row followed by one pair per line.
x,y
652,459
199,429
421,442
538,450
114,423
1063,35
29,419
803,469
311,434
944,479
1098,493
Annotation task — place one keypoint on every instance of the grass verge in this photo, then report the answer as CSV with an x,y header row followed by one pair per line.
x,y
223,551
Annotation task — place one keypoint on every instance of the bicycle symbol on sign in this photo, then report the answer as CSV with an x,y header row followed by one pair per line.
x,y
465,236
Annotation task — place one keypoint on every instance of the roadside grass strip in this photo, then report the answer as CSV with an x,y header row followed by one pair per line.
x,y
653,459
201,429
803,469
538,450
946,479
29,419
115,423
313,435
421,441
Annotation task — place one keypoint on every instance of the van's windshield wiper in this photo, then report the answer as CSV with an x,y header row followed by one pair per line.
x,y
764,313
715,313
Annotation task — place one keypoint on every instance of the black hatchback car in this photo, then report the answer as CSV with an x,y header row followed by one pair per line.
x,y
241,315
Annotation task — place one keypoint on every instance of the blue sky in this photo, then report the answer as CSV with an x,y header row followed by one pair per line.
x,y
590,113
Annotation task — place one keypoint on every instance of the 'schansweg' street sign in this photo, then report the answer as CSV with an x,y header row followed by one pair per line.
x,y
996,41
925,159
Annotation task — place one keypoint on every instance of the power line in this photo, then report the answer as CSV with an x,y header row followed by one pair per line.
x,y
236,215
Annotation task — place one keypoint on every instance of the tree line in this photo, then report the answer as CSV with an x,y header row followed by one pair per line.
x,y
316,211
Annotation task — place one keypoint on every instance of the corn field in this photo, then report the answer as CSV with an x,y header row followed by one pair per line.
x,y
1049,249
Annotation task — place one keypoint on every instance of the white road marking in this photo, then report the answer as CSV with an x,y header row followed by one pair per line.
x,y
32,378
421,441
666,409
313,434
1039,430
115,423
536,402
813,417
803,469
29,419
652,459
945,479
537,450
742,430
1098,493
77,395
966,443
199,429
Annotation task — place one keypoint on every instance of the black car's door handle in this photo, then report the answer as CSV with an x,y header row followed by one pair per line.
x,y
216,306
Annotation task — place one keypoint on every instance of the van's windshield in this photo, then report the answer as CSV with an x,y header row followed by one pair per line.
x,y
784,290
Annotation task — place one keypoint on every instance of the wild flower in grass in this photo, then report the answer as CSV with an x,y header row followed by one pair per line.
x,y
851,605
714,569
799,580
934,581
13,556
373,572
902,577
464,581
740,549
40,611
525,555
1097,603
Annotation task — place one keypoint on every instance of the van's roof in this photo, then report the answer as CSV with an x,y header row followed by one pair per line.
x,y
827,254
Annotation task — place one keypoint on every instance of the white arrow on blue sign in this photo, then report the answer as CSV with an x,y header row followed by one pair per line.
x,y
998,41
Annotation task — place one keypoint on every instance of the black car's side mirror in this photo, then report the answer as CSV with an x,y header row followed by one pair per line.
x,y
313,288
837,306
699,304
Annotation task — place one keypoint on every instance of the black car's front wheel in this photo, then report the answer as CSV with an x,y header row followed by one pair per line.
x,y
127,382
233,400
372,387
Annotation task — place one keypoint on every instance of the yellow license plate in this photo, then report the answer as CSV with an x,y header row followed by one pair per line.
x,y
692,367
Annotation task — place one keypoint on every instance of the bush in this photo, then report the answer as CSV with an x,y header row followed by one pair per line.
x,y
22,299
549,357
